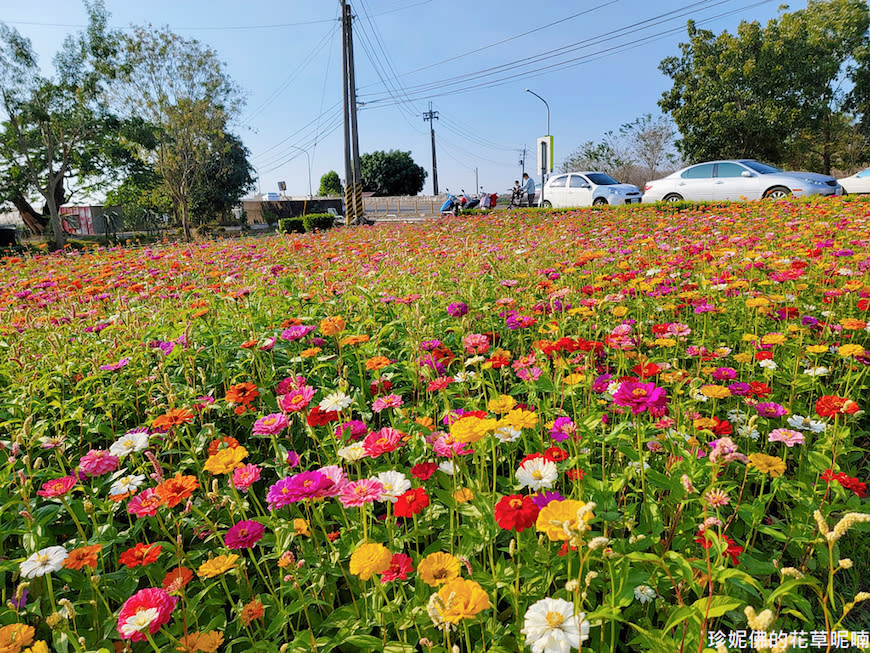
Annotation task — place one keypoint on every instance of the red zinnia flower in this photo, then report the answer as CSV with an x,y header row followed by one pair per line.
x,y
141,554
830,405
146,599
516,512
176,579
424,471
759,389
411,502
575,474
400,566
319,417
556,454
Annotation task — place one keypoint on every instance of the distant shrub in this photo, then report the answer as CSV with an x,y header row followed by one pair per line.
x,y
291,225
319,221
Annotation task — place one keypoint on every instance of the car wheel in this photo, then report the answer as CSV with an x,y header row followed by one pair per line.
x,y
673,197
546,204
599,201
777,193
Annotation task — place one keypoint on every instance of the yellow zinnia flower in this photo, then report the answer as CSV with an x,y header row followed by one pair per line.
x,y
501,404
217,566
850,350
369,559
743,357
521,419
463,495
226,460
665,342
438,568
817,349
471,429
767,464
851,324
461,599
560,520
715,391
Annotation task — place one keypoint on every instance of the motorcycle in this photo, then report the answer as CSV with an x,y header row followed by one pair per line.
x,y
467,202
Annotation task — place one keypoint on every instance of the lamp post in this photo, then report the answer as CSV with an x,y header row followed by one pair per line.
x,y
543,171
308,158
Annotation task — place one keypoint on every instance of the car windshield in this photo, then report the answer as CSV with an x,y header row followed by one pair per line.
x,y
600,179
761,168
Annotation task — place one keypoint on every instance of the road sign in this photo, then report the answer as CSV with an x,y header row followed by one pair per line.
x,y
545,154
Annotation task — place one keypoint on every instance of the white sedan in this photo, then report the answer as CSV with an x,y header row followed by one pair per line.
x,y
857,183
587,189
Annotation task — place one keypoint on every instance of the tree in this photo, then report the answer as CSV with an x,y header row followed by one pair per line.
x,y
651,142
330,185
752,94
608,155
54,130
222,181
179,86
391,173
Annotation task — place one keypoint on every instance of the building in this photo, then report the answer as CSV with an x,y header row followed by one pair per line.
x,y
260,207
91,220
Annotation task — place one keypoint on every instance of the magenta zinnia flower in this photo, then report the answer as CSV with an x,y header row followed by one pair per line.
x,y
145,504
400,566
297,332
244,535
770,409
305,485
270,424
57,487
335,474
147,599
296,400
640,397
97,462
563,428
354,429
355,494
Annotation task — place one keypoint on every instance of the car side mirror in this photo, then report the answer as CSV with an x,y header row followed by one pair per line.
x,y
746,173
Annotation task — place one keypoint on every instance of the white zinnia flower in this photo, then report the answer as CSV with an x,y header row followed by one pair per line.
x,y
816,371
748,432
537,474
474,360
644,593
447,467
131,442
550,625
139,621
335,402
802,423
43,562
395,483
352,452
464,377
768,365
127,483
507,433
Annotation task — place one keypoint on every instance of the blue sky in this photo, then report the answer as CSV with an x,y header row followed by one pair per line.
x,y
594,61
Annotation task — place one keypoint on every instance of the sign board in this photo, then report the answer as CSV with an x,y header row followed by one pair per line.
x,y
545,154
282,186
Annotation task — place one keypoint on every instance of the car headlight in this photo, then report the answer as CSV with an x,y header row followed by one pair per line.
x,y
815,182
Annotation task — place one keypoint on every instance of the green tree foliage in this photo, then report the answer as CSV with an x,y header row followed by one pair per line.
x,y
650,140
55,130
391,173
330,185
222,181
609,155
180,87
767,91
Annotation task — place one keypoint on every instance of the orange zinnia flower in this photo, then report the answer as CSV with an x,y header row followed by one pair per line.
x,y
332,325
83,556
242,393
173,417
251,611
176,489
226,442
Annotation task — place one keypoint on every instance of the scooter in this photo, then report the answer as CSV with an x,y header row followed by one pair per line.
x,y
451,206
467,202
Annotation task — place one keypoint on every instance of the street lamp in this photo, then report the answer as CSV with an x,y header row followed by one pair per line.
x,y
543,172
305,152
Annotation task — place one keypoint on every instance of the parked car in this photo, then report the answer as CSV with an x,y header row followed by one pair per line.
x,y
587,189
857,183
739,179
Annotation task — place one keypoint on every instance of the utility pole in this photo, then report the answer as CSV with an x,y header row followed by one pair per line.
x,y
353,204
476,183
523,154
431,117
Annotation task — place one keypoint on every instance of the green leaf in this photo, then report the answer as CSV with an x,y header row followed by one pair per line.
x,y
719,605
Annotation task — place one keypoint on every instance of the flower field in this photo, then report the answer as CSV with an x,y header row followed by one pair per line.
x,y
619,430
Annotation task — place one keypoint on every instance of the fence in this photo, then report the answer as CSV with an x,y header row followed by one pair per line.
x,y
417,205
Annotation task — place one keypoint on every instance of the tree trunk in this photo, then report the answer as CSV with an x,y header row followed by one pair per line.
x,y
56,224
185,221
35,221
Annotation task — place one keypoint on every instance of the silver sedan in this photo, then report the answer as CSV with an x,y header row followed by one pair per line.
x,y
738,179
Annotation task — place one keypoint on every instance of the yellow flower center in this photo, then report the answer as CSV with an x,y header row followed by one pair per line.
x,y
555,619
537,475
639,392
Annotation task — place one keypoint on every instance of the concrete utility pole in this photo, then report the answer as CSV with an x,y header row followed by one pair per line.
x,y
431,117
353,204
523,154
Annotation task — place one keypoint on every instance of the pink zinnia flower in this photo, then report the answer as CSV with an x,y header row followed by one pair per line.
x,y
382,441
335,474
245,476
296,400
400,566
770,409
726,449
476,343
151,598
788,437
289,384
355,494
244,535
270,424
444,446
57,487
389,401
97,462
354,429
642,396
305,485
297,332
145,504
